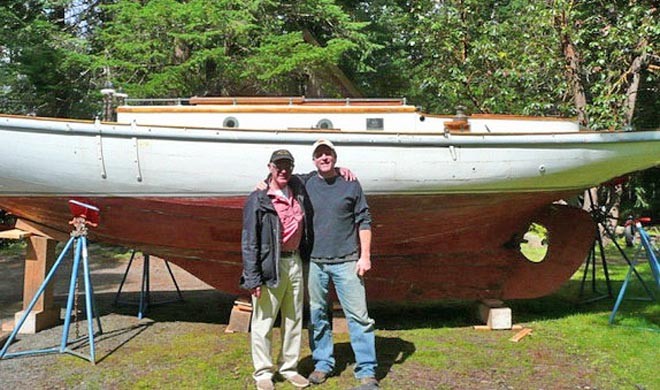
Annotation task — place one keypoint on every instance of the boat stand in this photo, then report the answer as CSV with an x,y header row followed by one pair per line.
x,y
78,239
601,225
144,301
646,246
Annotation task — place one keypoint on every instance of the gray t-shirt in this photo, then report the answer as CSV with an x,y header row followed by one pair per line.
x,y
340,210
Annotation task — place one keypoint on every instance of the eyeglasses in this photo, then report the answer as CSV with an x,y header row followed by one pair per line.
x,y
322,153
280,166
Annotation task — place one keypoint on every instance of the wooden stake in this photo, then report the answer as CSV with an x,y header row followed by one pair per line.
x,y
520,335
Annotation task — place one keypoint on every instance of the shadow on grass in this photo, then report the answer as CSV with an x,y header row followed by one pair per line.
x,y
389,351
203,306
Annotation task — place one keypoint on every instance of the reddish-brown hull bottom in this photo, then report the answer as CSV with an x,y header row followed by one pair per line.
x,y
426,247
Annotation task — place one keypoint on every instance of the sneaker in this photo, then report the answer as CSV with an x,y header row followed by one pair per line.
x,y
298,381
317,377
369,383
265,384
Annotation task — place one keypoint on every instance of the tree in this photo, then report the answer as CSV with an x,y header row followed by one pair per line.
x,y
609,47
44,67
228,47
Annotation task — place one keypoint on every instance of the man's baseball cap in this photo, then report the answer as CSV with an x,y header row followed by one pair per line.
x,y
281,154
322,142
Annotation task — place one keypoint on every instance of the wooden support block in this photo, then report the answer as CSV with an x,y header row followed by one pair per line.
x,y
240,317
39,258
495,315
14,234
41,230
38,320
7,326
519,336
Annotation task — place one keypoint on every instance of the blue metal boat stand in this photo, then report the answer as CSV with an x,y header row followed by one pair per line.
x,y
78,240
144,301
645,246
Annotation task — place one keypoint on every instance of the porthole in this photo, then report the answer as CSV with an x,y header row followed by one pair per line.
x,y
324,124
230,121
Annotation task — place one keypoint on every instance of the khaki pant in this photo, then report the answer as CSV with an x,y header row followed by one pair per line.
x,y
286,298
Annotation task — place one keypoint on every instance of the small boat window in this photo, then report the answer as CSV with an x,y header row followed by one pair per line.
x,y
230,121
324,124
375,124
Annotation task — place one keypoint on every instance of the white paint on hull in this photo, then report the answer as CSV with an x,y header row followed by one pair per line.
x,y
54,157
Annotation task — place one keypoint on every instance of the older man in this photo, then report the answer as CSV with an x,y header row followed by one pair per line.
x,y
274,239
342,254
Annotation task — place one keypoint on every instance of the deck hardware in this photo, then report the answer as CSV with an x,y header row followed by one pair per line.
x,y
452,151
375,124
542,169
137,159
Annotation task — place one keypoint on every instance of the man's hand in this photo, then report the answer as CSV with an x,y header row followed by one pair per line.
x,y
346,174
363,265
256,292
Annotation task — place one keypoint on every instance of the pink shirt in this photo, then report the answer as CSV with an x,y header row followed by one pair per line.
x,y
291,216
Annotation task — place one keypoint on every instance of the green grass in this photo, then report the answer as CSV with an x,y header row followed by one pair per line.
x,y
420,346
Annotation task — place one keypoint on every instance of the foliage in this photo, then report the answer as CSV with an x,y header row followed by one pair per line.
x,y
641,195
44,69
7,220
617,41
204,47
489,57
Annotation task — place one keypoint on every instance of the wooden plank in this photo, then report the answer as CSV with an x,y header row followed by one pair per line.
x,y
41,230
14,234
520,335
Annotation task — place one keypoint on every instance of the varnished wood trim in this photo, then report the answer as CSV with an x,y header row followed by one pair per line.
x,y
270,109
297,100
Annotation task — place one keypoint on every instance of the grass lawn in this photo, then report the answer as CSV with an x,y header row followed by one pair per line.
x,y
420,346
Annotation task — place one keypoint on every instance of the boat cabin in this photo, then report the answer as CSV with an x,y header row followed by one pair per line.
x,y
300,113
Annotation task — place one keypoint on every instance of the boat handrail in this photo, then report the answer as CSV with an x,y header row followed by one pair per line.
x,y
266,100
157,101
296,100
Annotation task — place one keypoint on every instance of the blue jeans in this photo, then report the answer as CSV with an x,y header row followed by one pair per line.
x,y
352,296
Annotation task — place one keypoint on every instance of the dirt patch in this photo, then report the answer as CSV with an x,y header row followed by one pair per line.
x,y
121,327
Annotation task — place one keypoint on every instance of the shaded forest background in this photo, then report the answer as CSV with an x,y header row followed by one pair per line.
x,y
597,61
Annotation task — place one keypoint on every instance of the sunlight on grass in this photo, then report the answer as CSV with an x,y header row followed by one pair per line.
x,y
535,243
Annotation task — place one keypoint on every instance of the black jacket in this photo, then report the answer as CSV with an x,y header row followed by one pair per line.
x,y
262,236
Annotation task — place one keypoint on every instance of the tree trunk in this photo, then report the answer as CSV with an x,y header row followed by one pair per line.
x,y
631,93
573,68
